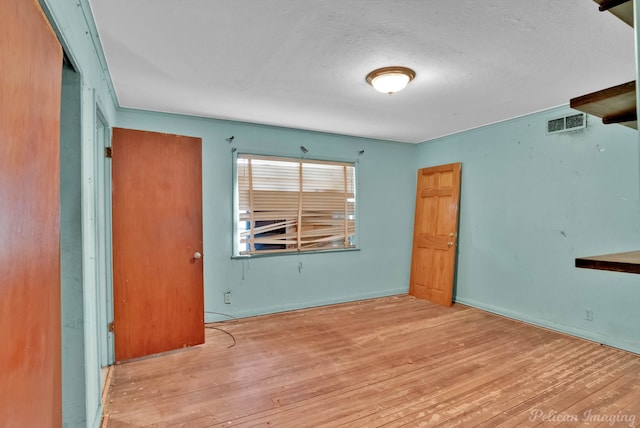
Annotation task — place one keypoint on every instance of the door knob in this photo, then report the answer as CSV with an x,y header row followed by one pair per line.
x,y
451,235
449,244
197,255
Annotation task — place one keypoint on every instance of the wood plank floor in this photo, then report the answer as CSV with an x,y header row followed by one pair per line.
x,y
389,362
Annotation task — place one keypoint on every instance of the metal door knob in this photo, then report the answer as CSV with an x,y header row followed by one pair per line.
x,y
197,255
449,244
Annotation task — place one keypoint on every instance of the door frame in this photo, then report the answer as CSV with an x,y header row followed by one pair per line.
x,y
91,297
104,247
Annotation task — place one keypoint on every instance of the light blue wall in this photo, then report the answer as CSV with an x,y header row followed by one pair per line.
x,y
386,192
71,293
530,204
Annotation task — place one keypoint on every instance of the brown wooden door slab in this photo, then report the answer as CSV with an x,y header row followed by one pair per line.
x,y
30,85
435,233
157,231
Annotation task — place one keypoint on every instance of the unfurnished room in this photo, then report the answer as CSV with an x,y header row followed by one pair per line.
x,y
319,214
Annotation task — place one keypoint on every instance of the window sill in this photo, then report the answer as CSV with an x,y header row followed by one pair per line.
x,y
292,253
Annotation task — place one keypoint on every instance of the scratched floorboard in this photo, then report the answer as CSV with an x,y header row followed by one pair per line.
x,y
389,362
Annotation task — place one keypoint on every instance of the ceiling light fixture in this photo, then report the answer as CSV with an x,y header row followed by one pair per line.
x,y
390,79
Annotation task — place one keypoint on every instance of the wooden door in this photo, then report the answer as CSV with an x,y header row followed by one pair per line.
x,y
30,85
157,242
435,233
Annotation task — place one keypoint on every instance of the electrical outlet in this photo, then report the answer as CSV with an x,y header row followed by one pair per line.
x,y
588,314
227,298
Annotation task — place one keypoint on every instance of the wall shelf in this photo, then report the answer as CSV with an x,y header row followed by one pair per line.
x,y
618,262
623,9
614,105
618,103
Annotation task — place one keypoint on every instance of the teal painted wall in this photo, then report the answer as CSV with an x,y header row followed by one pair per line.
x,y
530,204
71,293
386,192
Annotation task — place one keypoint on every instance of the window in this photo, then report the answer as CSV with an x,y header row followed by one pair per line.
x,y
292,205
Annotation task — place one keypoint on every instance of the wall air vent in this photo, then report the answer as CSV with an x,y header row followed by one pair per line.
x,y
567,123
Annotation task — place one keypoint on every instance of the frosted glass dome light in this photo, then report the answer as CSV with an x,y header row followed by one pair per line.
x,y
390,79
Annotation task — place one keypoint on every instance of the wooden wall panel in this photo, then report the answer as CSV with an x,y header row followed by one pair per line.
x,y
30,80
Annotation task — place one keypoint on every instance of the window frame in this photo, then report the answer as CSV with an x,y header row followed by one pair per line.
x,y
236,250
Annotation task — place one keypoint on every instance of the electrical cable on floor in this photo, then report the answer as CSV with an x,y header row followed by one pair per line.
x,y
218,328
224,331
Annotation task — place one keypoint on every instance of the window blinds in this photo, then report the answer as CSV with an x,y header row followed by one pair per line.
x,y
287,204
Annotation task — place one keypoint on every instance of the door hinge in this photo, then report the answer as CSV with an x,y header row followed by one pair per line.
x,y
108,151
111,327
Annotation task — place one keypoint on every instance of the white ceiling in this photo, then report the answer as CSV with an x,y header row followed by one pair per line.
x,y
302,63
